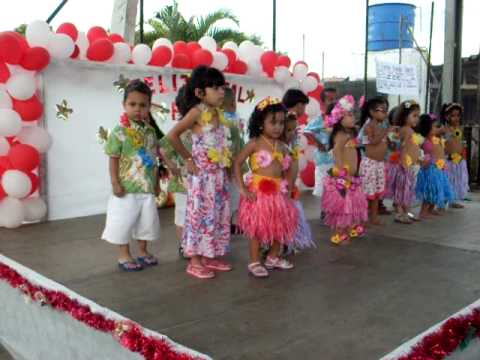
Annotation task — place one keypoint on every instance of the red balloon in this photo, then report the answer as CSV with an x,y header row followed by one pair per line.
x,y
3,194
284,60
12,47
21,40
202,57
96,33
308,174
76,52
315,75
317,93
239,67
180,47
231,55
302,120
100,50
181,61
269,60
4,164
34,180
161,56
116,38
24,157
192,46
36,58
29,110
68,29
4,72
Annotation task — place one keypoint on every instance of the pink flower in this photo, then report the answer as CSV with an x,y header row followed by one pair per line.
x,y
248,178
264,158
287,161
284,187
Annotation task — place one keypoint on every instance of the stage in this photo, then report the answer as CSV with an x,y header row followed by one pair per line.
x,y
355,302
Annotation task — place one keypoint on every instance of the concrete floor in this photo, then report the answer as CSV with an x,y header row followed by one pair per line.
x,y
356,302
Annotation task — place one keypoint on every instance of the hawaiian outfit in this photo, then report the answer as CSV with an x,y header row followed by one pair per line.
x,y
457,170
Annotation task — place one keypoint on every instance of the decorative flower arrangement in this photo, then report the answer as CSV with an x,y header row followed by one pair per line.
x,y
441,164
417,139
395,157
343,106
343,181
456,158
221,155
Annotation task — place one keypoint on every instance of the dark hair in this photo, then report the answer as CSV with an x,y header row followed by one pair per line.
x,y
329,109
447,108
391,116
336,129
257,119
370,105
403,111
328,89
425,125
293,97
202,78
137,85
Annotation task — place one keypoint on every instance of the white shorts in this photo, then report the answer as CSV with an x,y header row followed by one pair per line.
x,y
180,209
320,173
131,216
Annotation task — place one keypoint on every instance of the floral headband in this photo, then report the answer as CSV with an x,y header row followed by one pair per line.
x,y
453,106
343,106
267,102
409,104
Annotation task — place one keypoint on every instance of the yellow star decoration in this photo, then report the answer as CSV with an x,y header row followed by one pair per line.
x,y
121,83
63,111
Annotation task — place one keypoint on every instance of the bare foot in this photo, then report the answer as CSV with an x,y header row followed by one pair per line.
x,y
435,212
376,221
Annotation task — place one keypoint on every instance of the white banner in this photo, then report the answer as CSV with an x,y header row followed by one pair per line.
x,y
397,79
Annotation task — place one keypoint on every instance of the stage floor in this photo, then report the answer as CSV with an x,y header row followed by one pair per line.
x,y
355,302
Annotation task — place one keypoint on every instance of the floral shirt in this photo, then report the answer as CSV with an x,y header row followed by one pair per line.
x,y
177,183
137,148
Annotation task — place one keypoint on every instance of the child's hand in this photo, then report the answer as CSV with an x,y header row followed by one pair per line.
x,y
191,167
248,194
118,189
157,190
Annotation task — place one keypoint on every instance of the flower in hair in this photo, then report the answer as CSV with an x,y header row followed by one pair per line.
x,y
268,101
343,106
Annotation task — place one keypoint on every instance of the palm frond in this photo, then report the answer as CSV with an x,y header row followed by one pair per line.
x,y
204,23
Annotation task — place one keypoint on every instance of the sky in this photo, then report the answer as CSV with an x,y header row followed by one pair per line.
x,y
335,28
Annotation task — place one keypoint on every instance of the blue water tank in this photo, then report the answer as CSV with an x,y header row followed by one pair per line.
x,y
384,26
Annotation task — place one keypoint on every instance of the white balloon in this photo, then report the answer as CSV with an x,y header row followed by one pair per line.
x,y
164,42
254,68
243,49
231,45
309,84
16,183
5,99
17,69
12,213
82,43
300,71
281,74
141,54
35,136
21,86
10,122
313,108
35,209
253,53
121,53
292,83
220,60
38,33
60,46
209,43
4,146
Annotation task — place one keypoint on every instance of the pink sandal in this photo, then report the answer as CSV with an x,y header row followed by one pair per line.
x,y
217,265
257,270
278,263
200,272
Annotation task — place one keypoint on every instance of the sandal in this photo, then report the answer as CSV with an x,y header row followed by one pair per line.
x,y
278,263
130,266
200,272
148,260
403,219
257,270
457,206
217,265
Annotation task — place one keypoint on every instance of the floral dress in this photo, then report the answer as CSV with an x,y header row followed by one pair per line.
x,y
207,222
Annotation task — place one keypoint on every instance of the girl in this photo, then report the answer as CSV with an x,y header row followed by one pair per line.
x,y
373,136
344,203
433,187
303,236
403,171
206,234
267,215
132,147
456,165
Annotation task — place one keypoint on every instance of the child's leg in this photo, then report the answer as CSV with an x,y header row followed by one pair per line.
x,y
124,253
179,233
275,250
425,211
254,248
433,211
374,219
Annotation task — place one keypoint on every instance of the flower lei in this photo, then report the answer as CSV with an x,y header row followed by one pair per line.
x,y
343,181
456,158
441,164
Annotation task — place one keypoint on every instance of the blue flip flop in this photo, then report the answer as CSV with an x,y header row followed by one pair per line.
x,y
148,260
130,266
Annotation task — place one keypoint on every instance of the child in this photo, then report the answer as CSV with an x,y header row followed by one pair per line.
x,y
206,234
238,142
344,203
295,101
267,215
176,165
132,148
303,237
456,165
433,187
402,173
373,136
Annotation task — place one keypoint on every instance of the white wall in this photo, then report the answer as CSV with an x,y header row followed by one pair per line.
x,y
77,182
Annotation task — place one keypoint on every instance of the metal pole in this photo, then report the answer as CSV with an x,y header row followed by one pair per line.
x,y
323,65
56,11
365,62
303,47
478,93
274,39
429,65
400,40
141,21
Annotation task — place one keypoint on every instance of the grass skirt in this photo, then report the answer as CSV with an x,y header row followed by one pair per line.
x,y
458,176
401,184
433,186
